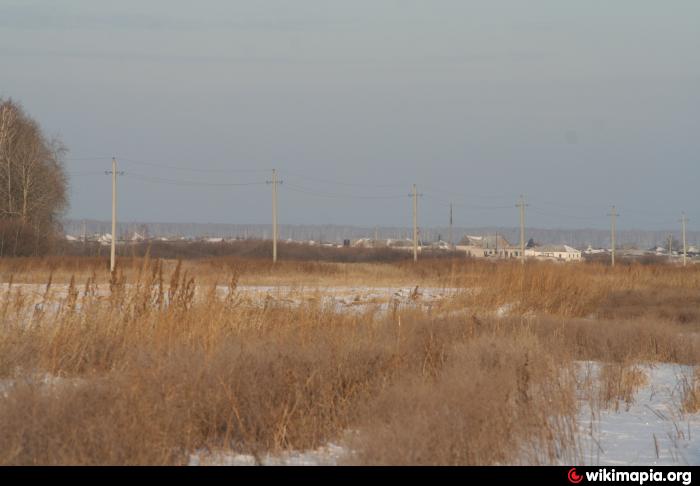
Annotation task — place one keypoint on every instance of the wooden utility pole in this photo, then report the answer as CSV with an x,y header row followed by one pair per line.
x,y
450,234
684,222
670,248
415,224
521,204
274,183
613,230
113,250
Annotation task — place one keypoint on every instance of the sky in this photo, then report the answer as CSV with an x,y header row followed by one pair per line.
x,y
576,105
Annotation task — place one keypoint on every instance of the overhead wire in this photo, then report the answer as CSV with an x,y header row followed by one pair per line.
x,y
298,175
301,189
164,165
446,203
181,182
312,192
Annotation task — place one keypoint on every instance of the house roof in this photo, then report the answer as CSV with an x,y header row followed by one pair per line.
x,y
556,248
489,241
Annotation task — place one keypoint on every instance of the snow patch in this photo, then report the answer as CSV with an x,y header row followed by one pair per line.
x,y
328,455
652,430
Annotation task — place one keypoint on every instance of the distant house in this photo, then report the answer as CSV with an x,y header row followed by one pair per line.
x,y
105,239
136,237
490,246
402,244
495,246
554,252
594,251
368,243
390,243
440,245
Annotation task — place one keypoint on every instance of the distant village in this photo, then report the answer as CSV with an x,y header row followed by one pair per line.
x,y
473,246
497,247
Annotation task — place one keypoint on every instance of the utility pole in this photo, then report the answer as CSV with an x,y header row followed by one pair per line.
x,y
415,195
274,183
684,221
521,204
670,248
415,224
613,215
113,251
450,235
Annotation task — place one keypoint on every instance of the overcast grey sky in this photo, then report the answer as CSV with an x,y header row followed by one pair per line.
x,y
576,104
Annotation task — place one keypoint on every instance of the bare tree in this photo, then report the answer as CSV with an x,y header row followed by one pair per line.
x,y
33,183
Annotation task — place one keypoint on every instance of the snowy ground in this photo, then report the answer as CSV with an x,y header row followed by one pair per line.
x,y
652,430
329,455
355,299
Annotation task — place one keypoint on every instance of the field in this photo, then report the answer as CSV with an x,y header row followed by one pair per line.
x,y
231,360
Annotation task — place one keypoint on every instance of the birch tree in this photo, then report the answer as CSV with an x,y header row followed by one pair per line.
x,y
33,184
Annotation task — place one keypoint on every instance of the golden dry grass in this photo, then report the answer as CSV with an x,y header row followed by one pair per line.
x,y
151,371
691,392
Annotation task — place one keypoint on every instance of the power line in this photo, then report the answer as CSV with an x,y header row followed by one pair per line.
x,y
85,173
298,175
181,182
558,204
163,165
190,169
446,203
460,195
331,194
567,216
335,195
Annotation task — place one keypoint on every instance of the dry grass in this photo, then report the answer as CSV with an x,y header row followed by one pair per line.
x,y
564,289
148,373
690,402
619,382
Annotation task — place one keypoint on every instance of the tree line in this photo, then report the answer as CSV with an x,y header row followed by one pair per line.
x,y
33,184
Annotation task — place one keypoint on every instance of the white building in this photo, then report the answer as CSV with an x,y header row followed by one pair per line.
x,y
494,246
554,252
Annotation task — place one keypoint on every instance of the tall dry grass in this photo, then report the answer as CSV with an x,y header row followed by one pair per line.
x,y
151,371
572,289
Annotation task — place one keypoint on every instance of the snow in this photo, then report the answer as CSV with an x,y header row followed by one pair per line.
x,y
504,310
328,455
650,430
653,430
44,380
355,299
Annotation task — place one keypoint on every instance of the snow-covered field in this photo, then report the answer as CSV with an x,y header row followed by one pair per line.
x,y
343,299
652,430
328,455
